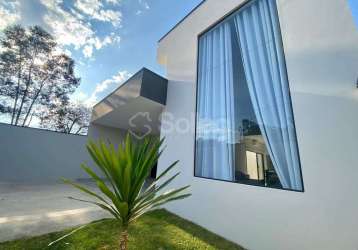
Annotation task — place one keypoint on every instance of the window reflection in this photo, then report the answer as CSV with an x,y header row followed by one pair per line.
x,y
244,128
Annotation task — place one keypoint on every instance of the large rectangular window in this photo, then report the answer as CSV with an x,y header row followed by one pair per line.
x,y
244,127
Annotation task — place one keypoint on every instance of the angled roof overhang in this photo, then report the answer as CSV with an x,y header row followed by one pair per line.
x,y
136,104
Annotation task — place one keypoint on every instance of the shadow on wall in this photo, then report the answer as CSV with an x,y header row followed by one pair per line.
x,y
324,72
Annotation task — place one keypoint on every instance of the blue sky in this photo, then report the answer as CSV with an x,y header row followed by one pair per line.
x,y
354,7
109,39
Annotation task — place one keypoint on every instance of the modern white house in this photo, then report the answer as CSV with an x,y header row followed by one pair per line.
x,y
260,105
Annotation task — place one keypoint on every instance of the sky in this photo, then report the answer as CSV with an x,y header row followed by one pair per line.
x,y
354,7
110,40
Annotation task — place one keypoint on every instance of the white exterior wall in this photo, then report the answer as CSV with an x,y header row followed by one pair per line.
x,y
321,48
34,155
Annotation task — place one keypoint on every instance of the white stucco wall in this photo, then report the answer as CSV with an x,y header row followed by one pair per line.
x,y
321,47
34,155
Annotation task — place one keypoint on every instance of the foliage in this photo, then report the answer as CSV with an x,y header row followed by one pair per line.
x,y
32,73
70,118
250,127
158,229
127,168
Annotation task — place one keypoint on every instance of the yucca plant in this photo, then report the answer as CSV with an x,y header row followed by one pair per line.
x,y
126,169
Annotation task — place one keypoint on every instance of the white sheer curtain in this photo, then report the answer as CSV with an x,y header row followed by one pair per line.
x,y
263,58
215,156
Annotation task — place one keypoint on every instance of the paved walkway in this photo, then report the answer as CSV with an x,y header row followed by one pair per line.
x,y
35,209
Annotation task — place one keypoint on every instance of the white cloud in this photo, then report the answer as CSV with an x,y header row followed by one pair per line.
x,y
144,4
87,51
117,79
77,14
71,29
67,28
91,100
95,10
98,43
9,13
114,2
82,97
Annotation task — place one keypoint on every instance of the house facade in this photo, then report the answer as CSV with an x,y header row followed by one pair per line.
x,y
259,104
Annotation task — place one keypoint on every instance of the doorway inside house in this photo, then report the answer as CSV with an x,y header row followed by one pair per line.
x,y
153,173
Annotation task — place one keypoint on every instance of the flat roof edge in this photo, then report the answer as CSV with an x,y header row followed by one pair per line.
x,y
125,82
182,20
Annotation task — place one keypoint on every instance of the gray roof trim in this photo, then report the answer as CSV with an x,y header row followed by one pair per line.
x,y
144,83
141,71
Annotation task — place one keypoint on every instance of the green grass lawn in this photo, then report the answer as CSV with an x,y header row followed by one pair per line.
x,y
157,230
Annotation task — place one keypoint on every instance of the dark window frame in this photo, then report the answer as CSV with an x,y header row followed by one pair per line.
x,y
210,27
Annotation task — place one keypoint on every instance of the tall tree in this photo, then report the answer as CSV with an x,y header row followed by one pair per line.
x,y
12,60
32,73
70,118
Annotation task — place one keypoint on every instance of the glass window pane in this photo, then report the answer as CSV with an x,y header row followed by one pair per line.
x,y
238,138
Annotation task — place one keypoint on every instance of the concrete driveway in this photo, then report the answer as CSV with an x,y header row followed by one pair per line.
x,y
35,209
